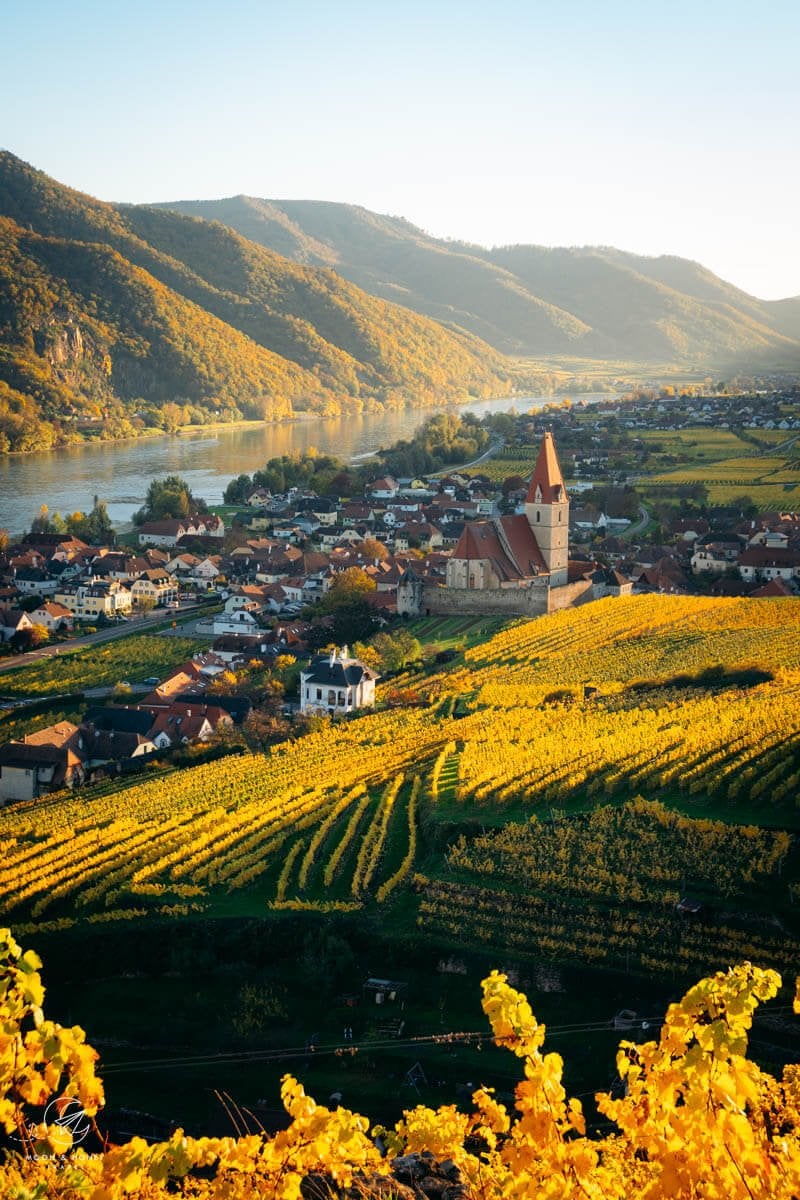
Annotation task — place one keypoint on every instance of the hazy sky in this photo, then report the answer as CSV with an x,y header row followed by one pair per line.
x,y
658,127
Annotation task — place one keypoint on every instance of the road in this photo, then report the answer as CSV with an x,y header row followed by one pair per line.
x,y
644,518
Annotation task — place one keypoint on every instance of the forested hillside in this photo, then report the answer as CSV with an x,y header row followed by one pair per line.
x,y
590,301
116,319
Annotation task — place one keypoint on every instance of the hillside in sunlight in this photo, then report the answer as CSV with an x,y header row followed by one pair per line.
x,y
591,301
116,319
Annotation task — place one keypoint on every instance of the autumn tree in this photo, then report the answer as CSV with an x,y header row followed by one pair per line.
x,y
372,548
394,650
512,483
94,527
45,522
238,490
348,587
264,728
38,636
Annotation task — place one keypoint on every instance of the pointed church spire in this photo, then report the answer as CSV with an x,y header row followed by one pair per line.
x,y
547,482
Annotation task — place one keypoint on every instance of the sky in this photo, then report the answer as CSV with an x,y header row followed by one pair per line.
x,y
656,127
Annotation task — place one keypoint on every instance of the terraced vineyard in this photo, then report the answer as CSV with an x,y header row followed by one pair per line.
x,y
694,703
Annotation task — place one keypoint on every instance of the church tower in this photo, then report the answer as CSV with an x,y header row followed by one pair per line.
x,y
547,510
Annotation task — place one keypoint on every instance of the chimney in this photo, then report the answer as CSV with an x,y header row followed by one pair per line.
x,y
333,656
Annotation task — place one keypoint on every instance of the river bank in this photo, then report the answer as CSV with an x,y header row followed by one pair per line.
x,y
208,457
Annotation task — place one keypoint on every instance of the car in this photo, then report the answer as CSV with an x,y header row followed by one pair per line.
x,y
151,680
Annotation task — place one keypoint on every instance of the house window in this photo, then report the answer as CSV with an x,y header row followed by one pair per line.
x,y
538,515
319,693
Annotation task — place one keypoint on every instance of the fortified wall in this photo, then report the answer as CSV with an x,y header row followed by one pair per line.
x,y
534,600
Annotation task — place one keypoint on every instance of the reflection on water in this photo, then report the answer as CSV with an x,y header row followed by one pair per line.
x,y
119,472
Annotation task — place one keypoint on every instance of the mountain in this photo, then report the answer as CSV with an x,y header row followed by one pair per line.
x,y
594,302
117,318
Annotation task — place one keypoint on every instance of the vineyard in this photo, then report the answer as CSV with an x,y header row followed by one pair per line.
x,y
773,482
133,658
527,756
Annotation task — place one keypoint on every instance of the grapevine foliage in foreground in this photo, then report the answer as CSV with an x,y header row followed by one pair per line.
x,y
698,1119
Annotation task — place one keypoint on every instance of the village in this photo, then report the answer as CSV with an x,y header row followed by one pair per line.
x,y
276,592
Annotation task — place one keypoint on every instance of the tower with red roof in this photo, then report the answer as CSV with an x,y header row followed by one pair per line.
x,y
547,510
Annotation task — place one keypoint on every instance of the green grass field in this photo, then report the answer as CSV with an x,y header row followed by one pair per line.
x,y
446,633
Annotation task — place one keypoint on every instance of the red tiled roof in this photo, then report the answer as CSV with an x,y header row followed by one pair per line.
x,y
54,610
509,544
523,545
775,587
186,720
387,600
769,557
55,735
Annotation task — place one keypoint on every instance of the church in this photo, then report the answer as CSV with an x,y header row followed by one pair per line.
x,y
514,565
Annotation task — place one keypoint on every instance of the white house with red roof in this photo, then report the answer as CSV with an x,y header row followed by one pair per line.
x,y
385,488
52,616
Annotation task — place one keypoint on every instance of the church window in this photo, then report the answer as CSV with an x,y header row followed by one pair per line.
x,y
538,515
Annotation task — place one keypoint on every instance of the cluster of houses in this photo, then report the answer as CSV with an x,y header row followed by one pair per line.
x,y
182,709
403,515
764,554
75,582
291,548
758,557
117,738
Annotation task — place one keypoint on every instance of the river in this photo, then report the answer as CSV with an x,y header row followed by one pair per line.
x,y
119,472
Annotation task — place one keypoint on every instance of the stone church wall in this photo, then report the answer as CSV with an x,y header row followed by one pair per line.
x,y
505,602
533,601
570,595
